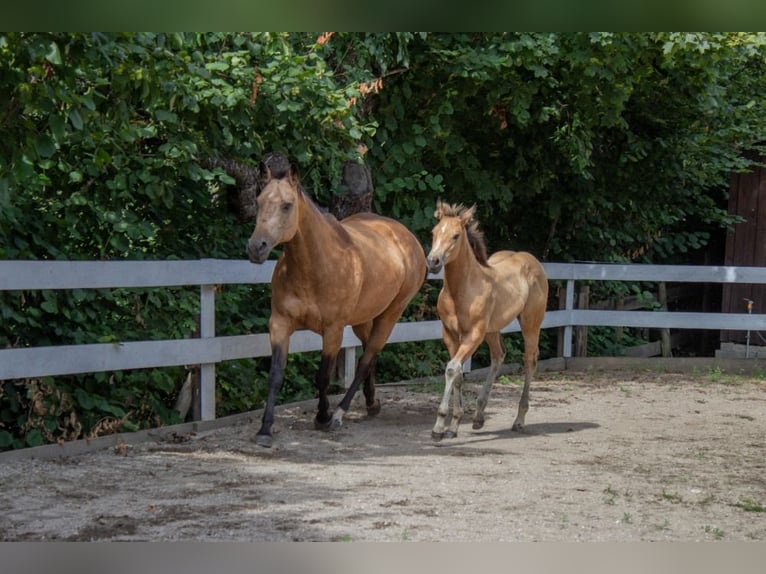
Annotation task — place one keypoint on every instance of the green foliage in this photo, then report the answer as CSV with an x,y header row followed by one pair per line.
x,y
105,139
608,147
576,146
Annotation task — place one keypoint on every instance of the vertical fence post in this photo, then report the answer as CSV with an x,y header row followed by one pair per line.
x,y
568,328
347,365
207,370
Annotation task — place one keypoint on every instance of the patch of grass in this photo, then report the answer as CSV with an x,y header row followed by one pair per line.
x,y
750,505
428,387
627,518
611,495
717,533
506,380
714,374
664,526
673,497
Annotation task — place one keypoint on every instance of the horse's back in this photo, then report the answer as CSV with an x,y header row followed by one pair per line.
x,y
522,265
389,249
378,232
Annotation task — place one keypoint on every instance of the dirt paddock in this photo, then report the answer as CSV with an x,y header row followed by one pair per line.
x,y
611,456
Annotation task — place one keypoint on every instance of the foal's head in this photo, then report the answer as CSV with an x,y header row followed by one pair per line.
x,y
277,219
456,225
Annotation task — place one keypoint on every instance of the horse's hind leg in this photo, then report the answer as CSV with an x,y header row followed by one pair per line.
x,y
381,329
497,354
531,340
373,404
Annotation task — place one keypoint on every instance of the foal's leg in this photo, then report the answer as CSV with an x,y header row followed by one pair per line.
x,y
531,340
451,340
453,379
497,354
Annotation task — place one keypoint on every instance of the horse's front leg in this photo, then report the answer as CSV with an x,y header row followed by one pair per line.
x,y
280,340
331,342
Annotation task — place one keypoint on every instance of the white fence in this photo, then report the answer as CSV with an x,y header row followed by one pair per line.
x,y
207,350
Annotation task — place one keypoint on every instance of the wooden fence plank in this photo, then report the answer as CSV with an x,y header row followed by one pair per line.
x,y
20,363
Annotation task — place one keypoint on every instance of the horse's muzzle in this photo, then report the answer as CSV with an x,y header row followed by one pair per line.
x,y
258,251
435,264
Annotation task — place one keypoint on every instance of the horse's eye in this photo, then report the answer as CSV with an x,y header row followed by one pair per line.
x,y
286,207
456,237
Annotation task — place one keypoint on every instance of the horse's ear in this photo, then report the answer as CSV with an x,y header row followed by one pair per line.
x,y
439,213
293,176
467,216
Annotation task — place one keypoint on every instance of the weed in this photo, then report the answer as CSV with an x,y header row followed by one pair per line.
x,y
429,387
626,391
714,374
627,518
611,495
750,505
506,380
717,533
673,497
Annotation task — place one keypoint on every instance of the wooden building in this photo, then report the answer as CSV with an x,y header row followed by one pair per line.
x,y
746,246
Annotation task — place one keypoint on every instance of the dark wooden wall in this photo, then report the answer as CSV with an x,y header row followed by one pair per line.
x,y
746,246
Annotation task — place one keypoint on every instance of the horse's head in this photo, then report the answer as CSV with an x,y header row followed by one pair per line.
x,y
456,224
277,219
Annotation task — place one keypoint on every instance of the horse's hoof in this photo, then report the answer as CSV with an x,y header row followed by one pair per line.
x,y
323,426
437,436
517,427
478,424
450,434
264,440
374,409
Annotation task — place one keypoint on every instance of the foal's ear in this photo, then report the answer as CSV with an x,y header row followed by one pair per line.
x,y
439,213
467,216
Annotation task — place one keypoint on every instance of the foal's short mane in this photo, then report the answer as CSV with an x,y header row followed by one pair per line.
x,y
475,235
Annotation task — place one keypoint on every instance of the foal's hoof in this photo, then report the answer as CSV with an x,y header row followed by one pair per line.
x,y
450,434
518,427
437,436
374,409
334,424
478,424
264,440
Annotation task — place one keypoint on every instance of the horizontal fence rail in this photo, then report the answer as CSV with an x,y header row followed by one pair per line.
x,y
208,349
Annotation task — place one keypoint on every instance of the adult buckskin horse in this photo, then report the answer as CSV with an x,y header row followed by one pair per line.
x,y
361,271
480,296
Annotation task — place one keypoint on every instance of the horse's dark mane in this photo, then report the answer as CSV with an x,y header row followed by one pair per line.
x,y
475,235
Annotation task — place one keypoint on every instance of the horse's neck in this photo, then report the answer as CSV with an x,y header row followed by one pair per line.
x,y
463,271
313,248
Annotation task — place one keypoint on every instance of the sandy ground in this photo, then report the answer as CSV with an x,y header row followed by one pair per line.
x,y
620,456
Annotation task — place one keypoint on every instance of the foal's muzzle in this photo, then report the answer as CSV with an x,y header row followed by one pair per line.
x,y
434,263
